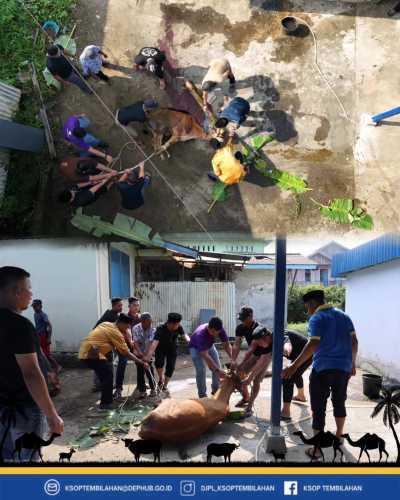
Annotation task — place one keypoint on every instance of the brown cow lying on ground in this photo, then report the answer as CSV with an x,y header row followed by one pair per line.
x,y
177,126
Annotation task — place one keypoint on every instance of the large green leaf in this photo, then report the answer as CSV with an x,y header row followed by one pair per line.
x,y
343,211
363,222
259,141
289,182
339,210
219,191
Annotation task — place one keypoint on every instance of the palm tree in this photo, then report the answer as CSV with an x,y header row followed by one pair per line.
x,y
390,404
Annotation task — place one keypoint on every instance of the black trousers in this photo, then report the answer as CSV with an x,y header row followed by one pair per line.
x,y
141,372
104,371
296,378
322,385
161,356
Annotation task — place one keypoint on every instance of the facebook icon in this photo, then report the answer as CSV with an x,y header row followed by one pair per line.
x,y
290,488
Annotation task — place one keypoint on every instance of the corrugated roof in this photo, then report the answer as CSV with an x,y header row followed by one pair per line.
x,y
9,102
293,261
375,252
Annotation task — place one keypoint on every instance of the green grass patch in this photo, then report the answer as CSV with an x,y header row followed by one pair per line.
x,y
298,327
17,49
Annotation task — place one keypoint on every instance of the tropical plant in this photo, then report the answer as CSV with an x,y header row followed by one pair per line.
x,y
344,211
389,402
284,180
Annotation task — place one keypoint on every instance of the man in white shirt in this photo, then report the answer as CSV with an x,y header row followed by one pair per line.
x,y
143,336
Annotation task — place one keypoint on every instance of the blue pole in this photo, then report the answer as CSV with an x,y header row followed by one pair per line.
x,y
279,326
387,114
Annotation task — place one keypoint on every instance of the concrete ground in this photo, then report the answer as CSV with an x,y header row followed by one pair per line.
x,y
356,51
76,405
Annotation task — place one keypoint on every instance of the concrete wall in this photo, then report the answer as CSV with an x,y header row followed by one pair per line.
x,y
256,289
372,301
65,275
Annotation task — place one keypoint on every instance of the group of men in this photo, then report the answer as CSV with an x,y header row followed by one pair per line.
x,y
25,402
88,175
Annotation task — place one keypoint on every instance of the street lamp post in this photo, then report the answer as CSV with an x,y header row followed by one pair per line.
x,y
275,441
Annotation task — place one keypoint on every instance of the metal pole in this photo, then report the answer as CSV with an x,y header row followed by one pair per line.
x,y
275,441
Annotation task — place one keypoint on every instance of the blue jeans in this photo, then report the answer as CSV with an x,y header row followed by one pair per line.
x,y
79,82
200,367
89,139
29,419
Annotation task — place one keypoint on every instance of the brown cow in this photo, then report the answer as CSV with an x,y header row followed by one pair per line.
x,y
178,126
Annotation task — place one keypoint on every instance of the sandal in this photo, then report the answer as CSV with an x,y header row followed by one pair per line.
x,y
286,419
242,403
248,413
310,452
295,398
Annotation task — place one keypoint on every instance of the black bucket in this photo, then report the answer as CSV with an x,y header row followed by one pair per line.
x,y
372,384
290,25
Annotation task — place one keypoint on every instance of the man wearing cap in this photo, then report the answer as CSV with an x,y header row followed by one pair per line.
x,y
96,350
244,330
258,357
332,344
143,336
92,61
165,348
131,187
151,59
204,352
219,70
136,112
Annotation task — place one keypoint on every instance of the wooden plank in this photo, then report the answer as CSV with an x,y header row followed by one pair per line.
x,y
43,114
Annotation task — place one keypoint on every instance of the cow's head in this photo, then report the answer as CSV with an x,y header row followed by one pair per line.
x,y
127,442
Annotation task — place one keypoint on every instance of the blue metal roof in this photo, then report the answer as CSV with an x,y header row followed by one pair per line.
x,y
383,249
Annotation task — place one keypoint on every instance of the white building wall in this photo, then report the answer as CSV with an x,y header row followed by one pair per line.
x,y
372,302
255,288
65,275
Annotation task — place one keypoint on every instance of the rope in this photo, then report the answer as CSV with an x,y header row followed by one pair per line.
x,y
131,138
321,73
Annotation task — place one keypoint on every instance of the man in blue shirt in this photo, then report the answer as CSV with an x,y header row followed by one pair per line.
x,y
333,344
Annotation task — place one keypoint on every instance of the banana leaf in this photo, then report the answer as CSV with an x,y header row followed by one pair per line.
x,y
219,191
363,222
259,141
289,182
342,210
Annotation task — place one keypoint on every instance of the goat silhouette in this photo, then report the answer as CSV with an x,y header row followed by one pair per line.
x,y
368,442
144,447
66,455
32,441
322,440
221,450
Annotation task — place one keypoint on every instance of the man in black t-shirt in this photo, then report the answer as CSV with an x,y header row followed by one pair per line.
x,y
131,187
24,398
111,315
151,59
62,69
165,347
255,363
293,345
136,112
86,193
245,329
